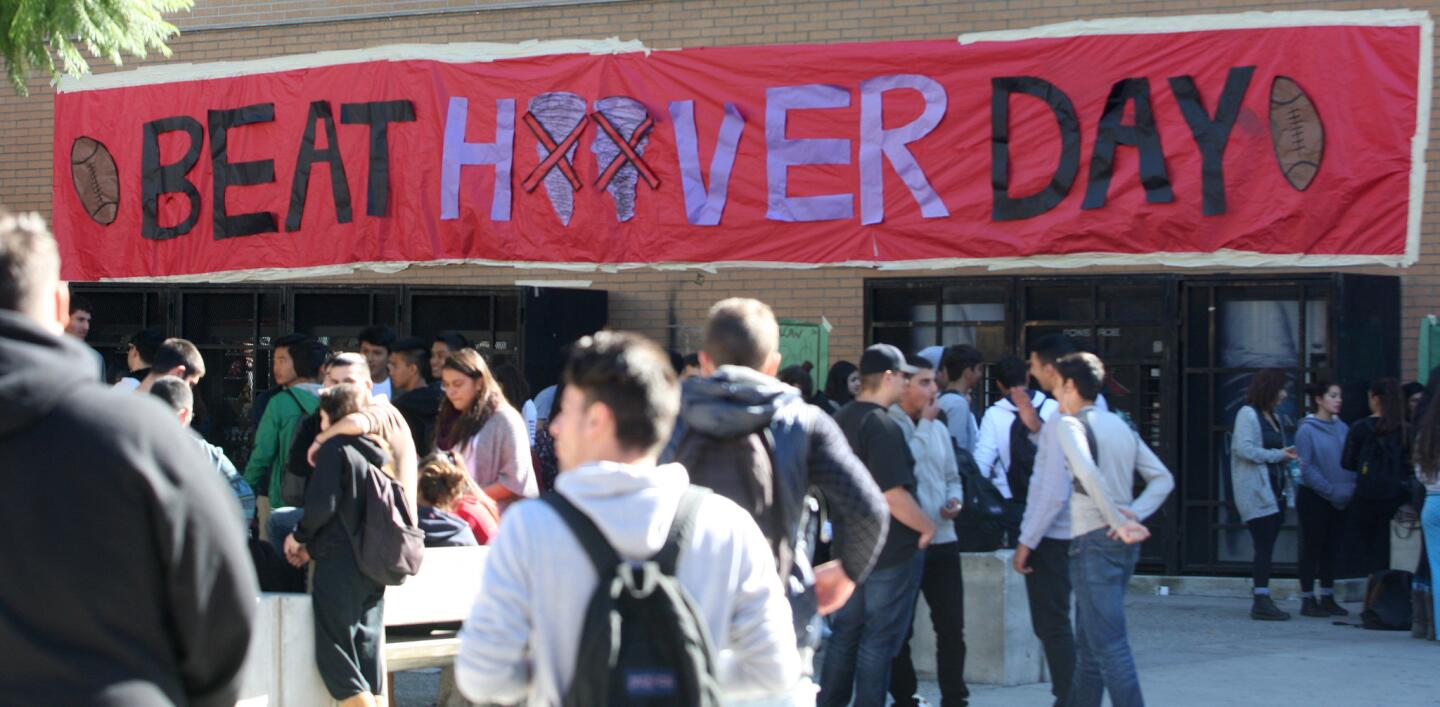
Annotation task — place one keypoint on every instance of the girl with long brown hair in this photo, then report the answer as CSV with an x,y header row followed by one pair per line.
x,y
1376,450
483,429
1427,470
1258,453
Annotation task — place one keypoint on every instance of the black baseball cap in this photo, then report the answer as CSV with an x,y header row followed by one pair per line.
x,y
884,357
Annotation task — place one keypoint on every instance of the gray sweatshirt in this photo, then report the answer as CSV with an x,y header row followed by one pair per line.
x,y
937,474
1319,444
520,642
1109,481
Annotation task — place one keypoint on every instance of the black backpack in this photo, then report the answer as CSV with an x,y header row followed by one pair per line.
x,y
1387,601
389,544
986,517
296,473
742,469
663,654
1022,459
1383,474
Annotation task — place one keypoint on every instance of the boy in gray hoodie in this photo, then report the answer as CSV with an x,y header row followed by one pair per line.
x,y
524,632
1325,490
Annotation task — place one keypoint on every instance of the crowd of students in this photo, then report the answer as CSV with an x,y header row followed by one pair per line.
x,y
661,528
1345,482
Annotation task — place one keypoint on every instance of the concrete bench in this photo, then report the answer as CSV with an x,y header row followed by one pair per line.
x,y
1001,645
441,593
280,670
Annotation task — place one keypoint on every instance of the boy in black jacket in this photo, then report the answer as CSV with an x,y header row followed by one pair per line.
x,y
144,594
348,606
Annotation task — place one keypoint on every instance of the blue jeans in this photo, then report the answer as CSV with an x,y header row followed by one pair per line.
x,y
865,636
1430,521
1100,569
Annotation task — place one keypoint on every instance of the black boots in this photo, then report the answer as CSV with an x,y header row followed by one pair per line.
x,y
1265,610
1324,607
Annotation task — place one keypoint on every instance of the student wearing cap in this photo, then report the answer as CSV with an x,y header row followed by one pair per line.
x,y
868,632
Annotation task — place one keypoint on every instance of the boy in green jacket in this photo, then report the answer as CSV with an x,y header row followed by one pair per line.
x,y
296,363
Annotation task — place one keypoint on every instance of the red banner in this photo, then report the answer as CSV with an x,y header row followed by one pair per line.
x,y
1242,140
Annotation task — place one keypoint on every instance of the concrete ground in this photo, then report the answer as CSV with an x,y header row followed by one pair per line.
x,y
1206,651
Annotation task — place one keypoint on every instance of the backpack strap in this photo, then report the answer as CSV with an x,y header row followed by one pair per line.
x,y
1084,418
296,398
602,555
1090,435
681,528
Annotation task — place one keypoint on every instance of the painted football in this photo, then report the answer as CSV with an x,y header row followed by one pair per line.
x,y
1296,132
97,182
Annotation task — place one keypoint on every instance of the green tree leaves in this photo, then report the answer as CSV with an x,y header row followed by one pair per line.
x,y
49,34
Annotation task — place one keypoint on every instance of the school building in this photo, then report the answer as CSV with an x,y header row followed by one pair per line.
x,y
1179,335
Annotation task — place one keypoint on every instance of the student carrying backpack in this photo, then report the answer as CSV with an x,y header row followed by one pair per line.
x,y
756,441
683,585
360,531
662,655
1022,460
1004,451
1382,472
1376,450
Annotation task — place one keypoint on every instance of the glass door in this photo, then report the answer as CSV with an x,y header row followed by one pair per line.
x,y
1233,330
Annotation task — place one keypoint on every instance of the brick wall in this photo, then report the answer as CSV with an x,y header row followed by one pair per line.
x,y
230,14
670,305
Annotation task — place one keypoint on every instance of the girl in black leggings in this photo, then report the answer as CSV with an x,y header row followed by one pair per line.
x,y
1325,489
1377,450
1258,454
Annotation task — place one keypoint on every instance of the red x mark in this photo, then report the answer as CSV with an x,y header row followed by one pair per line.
x,y
556,158
627,151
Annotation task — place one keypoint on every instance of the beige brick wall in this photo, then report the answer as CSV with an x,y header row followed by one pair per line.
x,y
643,300
226,14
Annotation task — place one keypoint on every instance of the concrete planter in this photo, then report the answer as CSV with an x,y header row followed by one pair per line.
x,y
1000,641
